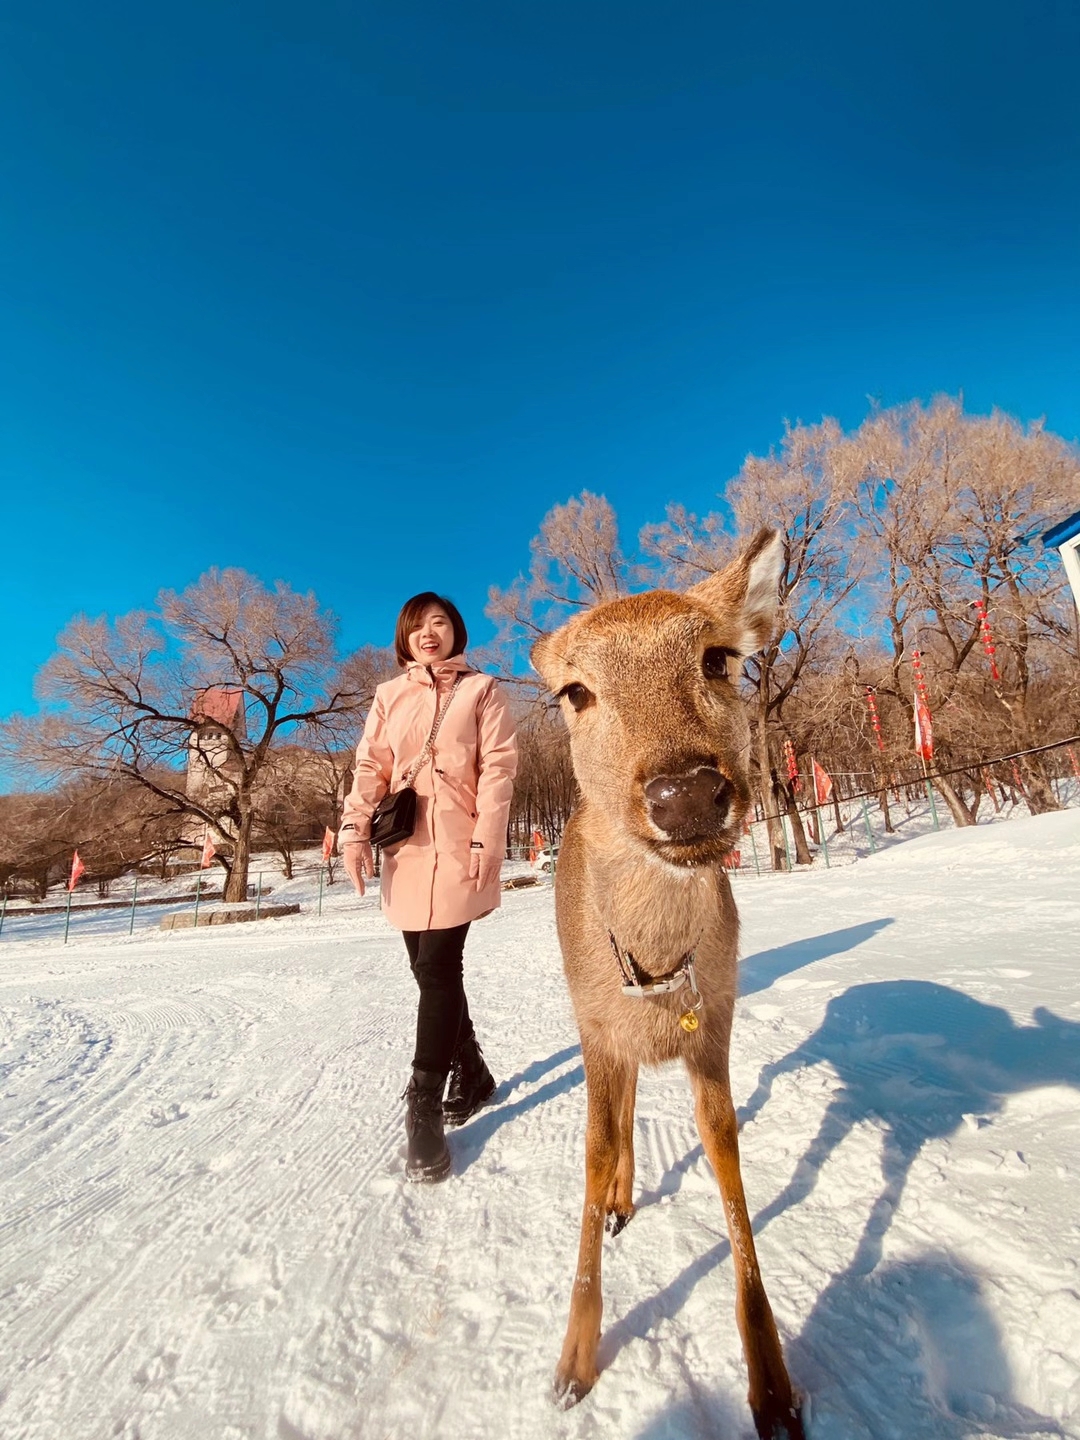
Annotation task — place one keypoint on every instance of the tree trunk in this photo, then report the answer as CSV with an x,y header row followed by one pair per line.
x,y
237,883
1040,794
976,799
836,808
884,800
802,849
990,790
777,848
957,809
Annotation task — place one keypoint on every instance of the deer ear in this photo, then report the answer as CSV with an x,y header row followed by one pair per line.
x,y
745,593
546,660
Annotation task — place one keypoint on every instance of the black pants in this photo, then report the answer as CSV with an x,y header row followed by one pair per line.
x,y
442,1017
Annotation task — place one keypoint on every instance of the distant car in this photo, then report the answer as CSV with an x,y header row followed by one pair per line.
x,y
542,862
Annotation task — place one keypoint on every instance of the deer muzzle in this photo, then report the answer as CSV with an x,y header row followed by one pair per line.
x,y
692,807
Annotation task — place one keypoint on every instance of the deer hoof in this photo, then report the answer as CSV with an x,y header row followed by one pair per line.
x,y
618,1220
569,1389
787,1425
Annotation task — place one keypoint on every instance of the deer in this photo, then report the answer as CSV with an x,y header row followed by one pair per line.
x,y
646,919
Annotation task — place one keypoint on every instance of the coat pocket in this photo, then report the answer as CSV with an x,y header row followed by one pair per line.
x,y
454,808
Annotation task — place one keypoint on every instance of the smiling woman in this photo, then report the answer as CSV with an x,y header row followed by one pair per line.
x,y
429,628
444,731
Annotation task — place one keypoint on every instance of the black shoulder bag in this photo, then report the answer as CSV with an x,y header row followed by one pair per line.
x,y
394,818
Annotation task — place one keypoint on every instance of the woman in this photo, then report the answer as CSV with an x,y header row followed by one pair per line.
x,y
446,874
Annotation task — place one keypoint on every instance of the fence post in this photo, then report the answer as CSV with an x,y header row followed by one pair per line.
x,y
753,846
823,842
933,806
869,831
322,871
67,916
134,893
787,843
198,891
3,912
258,897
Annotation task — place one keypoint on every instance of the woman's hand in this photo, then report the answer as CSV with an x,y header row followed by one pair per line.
x,y
484,868
358,861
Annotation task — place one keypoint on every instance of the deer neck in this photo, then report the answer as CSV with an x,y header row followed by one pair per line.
x,y
655,911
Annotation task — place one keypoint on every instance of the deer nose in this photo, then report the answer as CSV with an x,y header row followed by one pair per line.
x,y
689,807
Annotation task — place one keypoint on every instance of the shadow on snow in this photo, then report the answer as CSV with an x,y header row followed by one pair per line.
x,y
757,972
916,1058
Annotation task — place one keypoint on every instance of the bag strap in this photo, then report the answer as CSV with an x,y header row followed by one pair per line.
x,y
429,744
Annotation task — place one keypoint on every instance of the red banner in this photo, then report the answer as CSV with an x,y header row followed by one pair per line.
x,y
987,639
822,783
327,844
875,719
792,765
537,846
208,852
924,729
78,870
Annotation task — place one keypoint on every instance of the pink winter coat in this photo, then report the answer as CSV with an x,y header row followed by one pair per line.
x,y
463,792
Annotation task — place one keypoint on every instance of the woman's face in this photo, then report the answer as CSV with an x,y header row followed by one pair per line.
x,y
433,638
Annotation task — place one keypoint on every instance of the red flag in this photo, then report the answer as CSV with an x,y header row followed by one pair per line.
x,y
537,846
327,844
78,870
822,783
208,852
924,729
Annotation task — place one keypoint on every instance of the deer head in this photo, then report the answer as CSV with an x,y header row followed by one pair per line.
x,y
649,689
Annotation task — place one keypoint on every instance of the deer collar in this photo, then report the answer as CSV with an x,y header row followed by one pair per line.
x,y
640,985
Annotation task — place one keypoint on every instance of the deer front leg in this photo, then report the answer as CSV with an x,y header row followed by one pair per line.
x,y
620,1200
772,1402
606,1085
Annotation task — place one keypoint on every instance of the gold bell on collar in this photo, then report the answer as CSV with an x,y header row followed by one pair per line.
x,y
689,1021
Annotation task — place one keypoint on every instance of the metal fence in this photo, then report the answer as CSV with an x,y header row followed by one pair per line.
x,y
850,826
853,822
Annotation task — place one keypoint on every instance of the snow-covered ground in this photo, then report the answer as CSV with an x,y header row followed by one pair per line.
x,y
206,1234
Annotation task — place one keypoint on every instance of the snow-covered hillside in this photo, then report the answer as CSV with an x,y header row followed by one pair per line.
x,y
207,1236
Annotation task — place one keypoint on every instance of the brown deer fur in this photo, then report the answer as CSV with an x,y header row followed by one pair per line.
x,y
643,698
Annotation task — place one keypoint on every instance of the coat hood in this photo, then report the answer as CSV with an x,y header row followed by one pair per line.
x,y
440,670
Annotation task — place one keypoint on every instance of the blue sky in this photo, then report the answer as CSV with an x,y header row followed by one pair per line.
x,y
350,294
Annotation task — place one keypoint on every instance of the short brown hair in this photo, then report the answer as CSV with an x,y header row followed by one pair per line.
x,y
412,612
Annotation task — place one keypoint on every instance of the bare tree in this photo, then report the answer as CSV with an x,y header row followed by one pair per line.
x,y
950,507
127,700
576,562
805,489
544,790
893,532
112,823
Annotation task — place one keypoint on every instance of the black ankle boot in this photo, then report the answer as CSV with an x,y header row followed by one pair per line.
x,y
471,1083
427,1157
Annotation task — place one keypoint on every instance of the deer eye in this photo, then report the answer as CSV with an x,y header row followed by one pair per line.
x,y
716,663
578,696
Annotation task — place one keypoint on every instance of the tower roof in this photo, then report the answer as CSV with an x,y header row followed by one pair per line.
x,y
223,703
